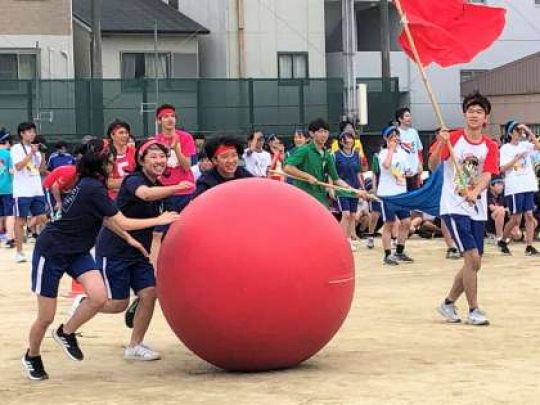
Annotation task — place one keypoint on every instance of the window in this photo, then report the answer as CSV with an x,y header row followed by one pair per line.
x,y
537,2
293,65
465,75
14,66
173,4
143,65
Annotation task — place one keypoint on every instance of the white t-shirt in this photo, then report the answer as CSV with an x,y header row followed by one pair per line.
x,y
26,182
196,172
411,144
520,178
257,163
393,181
475,158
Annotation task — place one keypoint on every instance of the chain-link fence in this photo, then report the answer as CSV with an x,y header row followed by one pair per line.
x,y
71,109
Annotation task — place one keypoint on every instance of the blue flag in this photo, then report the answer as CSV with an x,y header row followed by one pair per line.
x,y
426,199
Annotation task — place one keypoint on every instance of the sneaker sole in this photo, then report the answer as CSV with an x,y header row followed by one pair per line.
x,y
446,318
137,358
27,372
486,323
66,351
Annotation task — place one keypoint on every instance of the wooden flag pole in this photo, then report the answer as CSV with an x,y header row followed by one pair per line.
x,y
322,184
427,84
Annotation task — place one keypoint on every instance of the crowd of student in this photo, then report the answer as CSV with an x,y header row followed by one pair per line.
x,y
119,198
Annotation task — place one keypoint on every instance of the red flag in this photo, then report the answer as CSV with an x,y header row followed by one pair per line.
x,y
450,32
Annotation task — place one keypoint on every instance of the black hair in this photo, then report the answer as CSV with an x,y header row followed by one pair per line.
x,y
317,124
94,160
25,126
400,112
164,107
476,99
202,155
60,145
343,124
113,126
214,143
139,158
252,134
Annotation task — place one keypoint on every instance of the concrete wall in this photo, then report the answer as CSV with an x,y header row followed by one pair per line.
x,y
113,46
520,38
44,17
271,26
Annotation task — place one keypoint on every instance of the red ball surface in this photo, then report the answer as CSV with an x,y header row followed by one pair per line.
x,y
256,275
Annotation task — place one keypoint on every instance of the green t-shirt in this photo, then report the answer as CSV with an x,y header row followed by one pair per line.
x,y
320,164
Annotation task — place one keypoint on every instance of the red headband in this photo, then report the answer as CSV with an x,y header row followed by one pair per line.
x,y
165,111
223,148
147,145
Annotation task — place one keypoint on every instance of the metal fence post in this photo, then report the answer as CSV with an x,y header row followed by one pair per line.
x,y
301,103
251,105
29,101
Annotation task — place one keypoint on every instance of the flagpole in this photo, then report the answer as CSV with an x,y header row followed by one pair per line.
x,y
427,83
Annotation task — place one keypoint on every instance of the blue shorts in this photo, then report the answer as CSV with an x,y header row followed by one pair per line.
x,y
348,204
467,233
47,271
520,203
121,275
389,215
174,203
6,205
25,206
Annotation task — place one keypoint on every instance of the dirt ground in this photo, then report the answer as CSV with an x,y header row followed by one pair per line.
x,y
393,347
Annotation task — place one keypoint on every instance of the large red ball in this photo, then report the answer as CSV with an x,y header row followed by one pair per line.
x,y
256,275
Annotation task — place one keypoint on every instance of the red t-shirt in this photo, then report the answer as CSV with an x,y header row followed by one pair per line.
x,y
174,173
65,176
123,165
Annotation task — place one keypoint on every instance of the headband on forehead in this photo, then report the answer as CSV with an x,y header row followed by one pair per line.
x,y
165,111
147,146
223,148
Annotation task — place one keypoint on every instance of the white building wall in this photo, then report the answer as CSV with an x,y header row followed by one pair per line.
x,y
55,56
112,47
520,38
271,26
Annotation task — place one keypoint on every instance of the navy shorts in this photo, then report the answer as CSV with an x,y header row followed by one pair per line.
x,y
520,203
467,233
26,206
174,203
121,275
389,215
348,204
47,271
6,205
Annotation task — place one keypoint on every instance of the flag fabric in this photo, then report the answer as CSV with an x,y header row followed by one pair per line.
x,y
426,199
450,32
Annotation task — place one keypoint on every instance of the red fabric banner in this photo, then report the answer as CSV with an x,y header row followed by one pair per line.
x,y
450,32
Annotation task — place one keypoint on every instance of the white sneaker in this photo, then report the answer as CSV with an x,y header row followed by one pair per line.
x,y
20,257
477,318
449,312
76,302
140,352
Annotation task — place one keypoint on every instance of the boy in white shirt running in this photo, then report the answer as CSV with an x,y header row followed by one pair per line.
x,y
464,200
520,182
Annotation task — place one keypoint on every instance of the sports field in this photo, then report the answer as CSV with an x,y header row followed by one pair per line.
x,y
393,347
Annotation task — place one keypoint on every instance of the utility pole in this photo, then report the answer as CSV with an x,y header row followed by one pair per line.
x,y
349,52
385,39
96,83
